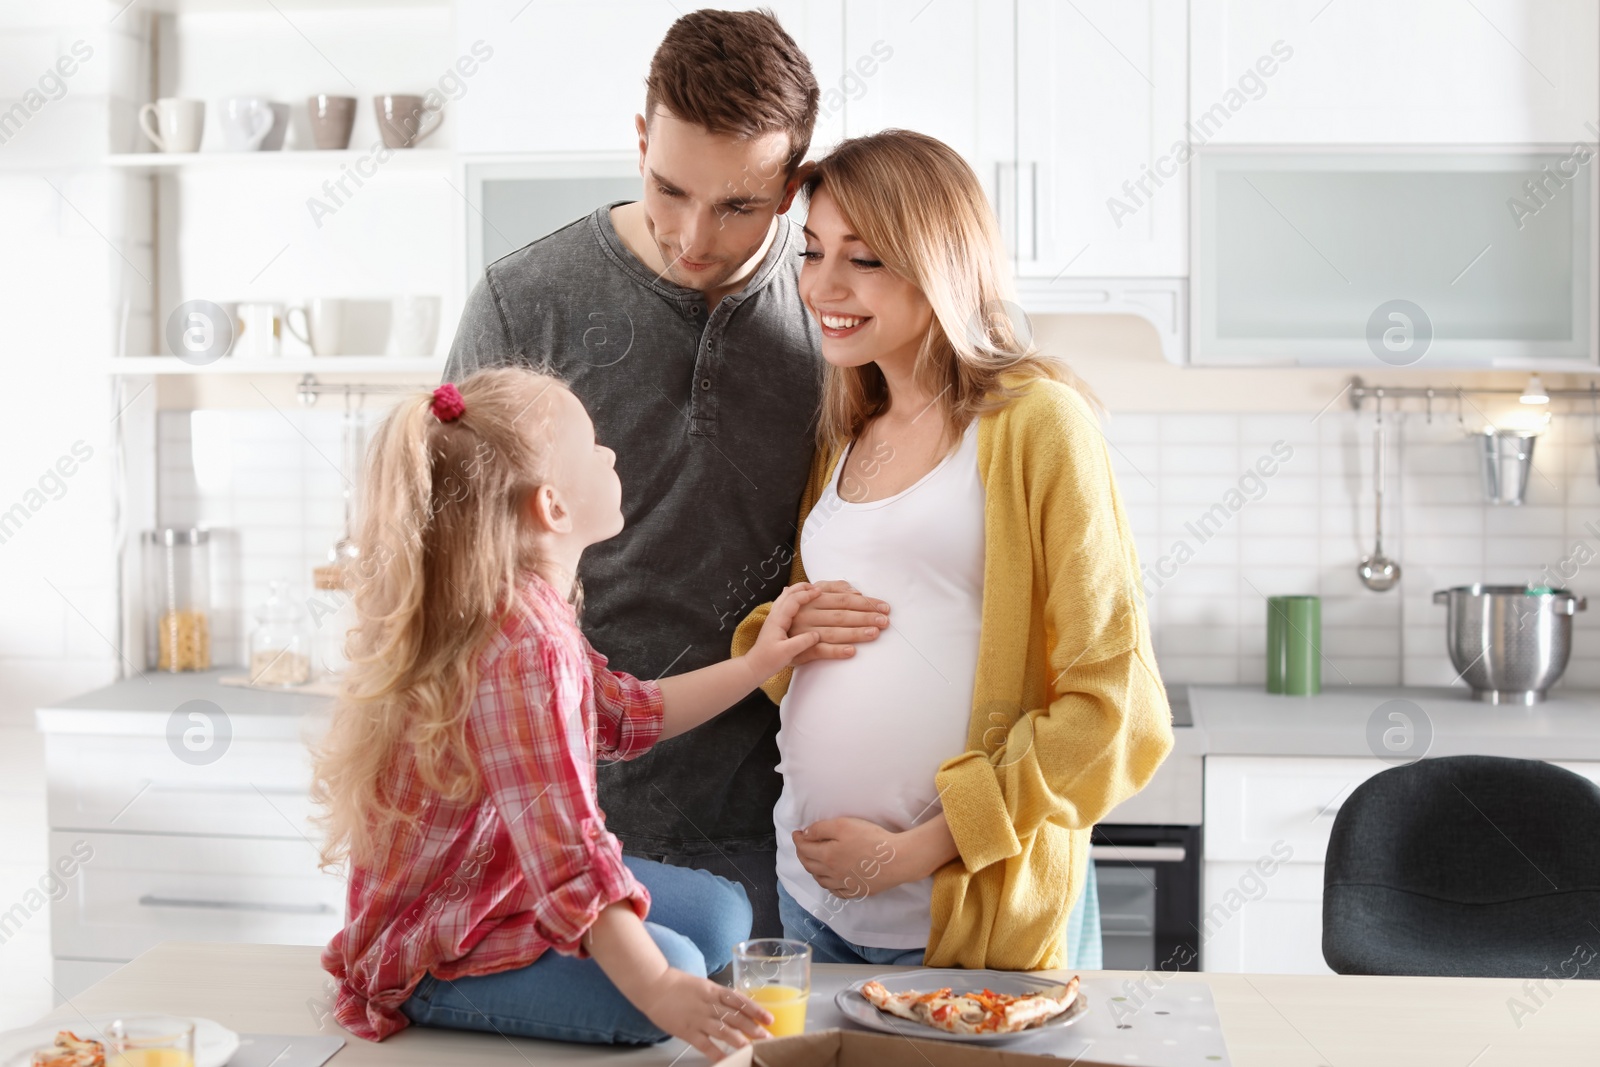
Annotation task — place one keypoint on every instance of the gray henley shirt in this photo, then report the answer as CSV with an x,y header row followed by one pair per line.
x,y
711,417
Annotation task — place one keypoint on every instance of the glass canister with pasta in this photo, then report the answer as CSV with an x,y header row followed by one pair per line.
x,y
178,599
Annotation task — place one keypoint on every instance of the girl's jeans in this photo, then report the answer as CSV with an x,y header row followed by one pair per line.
x,y
695,918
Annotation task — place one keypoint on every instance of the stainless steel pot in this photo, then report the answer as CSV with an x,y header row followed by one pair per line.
x,y
1508,643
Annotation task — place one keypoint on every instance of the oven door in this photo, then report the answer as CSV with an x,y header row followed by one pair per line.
x,y
1149,896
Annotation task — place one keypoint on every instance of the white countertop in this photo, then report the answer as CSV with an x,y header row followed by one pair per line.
x,y
1228,720
1246,721
143,705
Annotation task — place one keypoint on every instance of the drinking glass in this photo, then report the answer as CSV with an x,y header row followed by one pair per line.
x,y
776,974
150,1041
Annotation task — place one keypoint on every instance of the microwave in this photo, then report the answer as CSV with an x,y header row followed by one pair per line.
x,y
509,202
1476,258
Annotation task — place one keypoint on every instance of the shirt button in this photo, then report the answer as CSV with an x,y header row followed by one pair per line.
x,y
697,310
705,383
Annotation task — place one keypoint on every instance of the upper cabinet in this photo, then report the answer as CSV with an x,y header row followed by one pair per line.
x,y
1070,114
1093,126
1387,72
1099,185
568,76
942,69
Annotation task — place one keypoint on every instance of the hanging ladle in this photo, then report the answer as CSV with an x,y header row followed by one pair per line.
x,y
1377,571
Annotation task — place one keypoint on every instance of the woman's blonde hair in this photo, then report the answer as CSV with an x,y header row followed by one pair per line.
x,y
916,203
443,546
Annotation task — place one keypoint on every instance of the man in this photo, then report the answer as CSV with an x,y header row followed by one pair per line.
x,y
677,321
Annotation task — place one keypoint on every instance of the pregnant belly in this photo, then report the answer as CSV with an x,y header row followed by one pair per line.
x,y
865,736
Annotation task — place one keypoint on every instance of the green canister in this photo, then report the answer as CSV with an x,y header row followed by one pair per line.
x,y
1294,638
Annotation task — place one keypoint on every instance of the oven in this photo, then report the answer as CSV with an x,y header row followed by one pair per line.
x,y
1146,856
1149,896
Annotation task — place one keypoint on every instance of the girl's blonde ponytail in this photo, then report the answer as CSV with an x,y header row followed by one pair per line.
x,y
443,545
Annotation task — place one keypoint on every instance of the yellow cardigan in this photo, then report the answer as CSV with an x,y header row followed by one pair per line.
x,y
1069,716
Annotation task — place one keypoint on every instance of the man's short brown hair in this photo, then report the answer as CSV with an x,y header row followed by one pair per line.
x,y
735,72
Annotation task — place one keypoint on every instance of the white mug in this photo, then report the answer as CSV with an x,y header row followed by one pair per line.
x,y
259,326
322,319
246,121
413,326
179,123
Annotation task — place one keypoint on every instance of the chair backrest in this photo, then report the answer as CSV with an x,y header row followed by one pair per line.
x,y
1420,845
1470,829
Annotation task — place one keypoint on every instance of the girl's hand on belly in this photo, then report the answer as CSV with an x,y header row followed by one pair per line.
x,y
852,857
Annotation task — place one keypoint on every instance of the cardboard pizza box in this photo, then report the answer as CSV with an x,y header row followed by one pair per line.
x,y
858,1048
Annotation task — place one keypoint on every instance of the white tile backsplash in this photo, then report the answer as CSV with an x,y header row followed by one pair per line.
x,y
1314,523
1302,529
277,504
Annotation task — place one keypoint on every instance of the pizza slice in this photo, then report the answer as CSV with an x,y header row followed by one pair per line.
x,y
70,1050
983,1012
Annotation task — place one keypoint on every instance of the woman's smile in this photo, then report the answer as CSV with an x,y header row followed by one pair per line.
x,y
836,326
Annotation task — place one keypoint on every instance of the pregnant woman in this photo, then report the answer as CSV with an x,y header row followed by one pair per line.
x,y
941,779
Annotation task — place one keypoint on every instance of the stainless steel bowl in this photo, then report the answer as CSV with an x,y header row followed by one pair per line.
x,y
1508,643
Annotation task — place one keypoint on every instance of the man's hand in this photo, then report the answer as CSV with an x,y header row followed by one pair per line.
x,y
841,616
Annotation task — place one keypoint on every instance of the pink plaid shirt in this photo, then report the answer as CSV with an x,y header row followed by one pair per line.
x,y
475,888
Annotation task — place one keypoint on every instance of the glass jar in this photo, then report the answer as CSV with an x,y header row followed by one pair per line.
x,y
177,568
333,616
280,645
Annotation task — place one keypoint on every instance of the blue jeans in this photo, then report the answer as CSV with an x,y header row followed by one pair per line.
x,y
828,947
695,919
1083,934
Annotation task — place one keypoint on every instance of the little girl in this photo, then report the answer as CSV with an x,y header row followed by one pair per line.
x,y
458,774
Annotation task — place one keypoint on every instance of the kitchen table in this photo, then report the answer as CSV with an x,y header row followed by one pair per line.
x,y
1268,1020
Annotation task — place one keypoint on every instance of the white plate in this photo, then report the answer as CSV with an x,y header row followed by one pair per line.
x,y
214,1044
859,1009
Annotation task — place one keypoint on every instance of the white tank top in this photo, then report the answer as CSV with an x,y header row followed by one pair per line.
x,y
864,736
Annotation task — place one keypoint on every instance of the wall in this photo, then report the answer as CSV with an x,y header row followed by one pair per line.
x,y
1180,439
77,261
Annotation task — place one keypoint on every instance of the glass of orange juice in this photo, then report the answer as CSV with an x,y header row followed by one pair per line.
x,y
150,1041
776,974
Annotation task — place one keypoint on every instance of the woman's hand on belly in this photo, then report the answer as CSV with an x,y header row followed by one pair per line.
x,y
842,617
853,857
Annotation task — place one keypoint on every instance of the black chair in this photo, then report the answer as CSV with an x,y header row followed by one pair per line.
x,y
1475,866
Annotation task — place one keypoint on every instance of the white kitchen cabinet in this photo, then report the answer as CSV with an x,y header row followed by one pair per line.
x,y
946,71
1262,924
123,784
1101,172
1380,72
568,75
166,848
138,890
1267,822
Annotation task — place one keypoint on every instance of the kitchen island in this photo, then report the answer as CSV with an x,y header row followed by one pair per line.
x,y
1267,1020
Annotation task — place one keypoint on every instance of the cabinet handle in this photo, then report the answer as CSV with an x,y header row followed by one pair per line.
x,y
1033,210
1021,235
151,901
1139,853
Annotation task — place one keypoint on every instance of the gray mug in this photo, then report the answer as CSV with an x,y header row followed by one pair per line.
x,y
403,121
331,120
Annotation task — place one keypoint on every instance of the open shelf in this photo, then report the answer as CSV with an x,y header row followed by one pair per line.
x,y
420,367
184,7
400,159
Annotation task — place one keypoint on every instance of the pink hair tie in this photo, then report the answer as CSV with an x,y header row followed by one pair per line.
x,y
447,403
